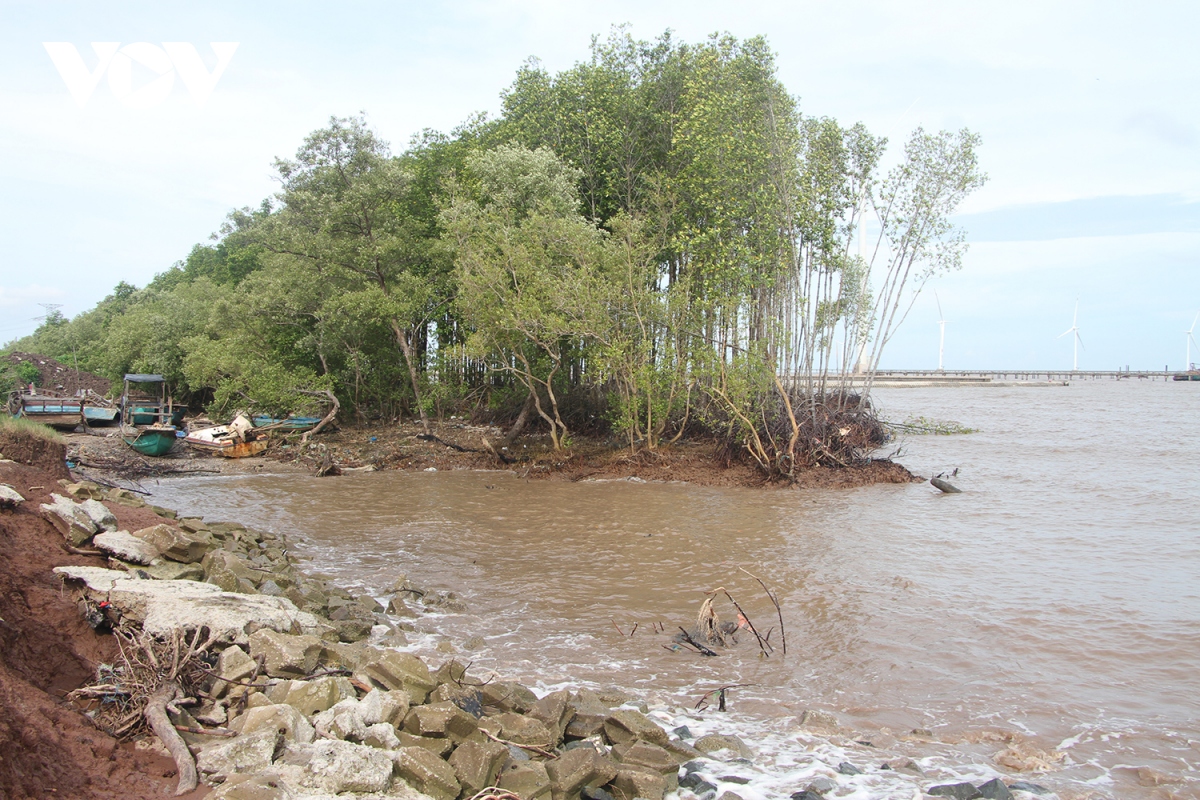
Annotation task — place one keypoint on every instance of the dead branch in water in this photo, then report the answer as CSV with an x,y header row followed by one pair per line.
x,y
701,649
702,703
774,601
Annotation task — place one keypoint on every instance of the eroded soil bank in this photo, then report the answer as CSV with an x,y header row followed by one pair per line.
x,y
100,454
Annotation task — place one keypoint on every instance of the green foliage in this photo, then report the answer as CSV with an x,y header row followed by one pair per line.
x,y
656,237
27,373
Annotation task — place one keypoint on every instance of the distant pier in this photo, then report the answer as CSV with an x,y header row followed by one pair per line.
x,y
935,377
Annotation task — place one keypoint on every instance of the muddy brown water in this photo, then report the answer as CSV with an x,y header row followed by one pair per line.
x,y
1057,597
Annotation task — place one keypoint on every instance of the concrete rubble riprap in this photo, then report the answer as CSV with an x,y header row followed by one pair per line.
x,y
126,547
165,606
313,710
9,497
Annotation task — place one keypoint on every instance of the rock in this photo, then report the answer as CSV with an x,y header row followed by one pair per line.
x,y
343,721
428,774
232,665
995,789
353,630
285,655
252,752
518,729
819,720
631,782
165,606
390,707
716,742
578,768
475,642
382,736
313,697
846,768
594,793
822,786
905,764
393,670
650,757
807,794
624,726
683,732
125,498
69,519
84,490
164,570
9,497
583,726
440,721
730,796
959,791
337,767
126,547
1026,786
526,779
281,718
270,588
439,747
103,519
193,524
476,764
508,696
698,785
264,786
555,711
224,569
176,544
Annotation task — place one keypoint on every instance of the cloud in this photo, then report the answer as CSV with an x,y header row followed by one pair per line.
x,y
1121,215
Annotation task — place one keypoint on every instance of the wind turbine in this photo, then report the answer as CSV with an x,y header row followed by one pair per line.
x,y
1078,341
1191,340
942,337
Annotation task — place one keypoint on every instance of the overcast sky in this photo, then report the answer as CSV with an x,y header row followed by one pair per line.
x,y
1088,114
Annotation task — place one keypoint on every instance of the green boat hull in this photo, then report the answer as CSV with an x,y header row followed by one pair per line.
x,y
153,442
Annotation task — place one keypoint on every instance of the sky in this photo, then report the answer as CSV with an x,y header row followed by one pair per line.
x,y
1088,113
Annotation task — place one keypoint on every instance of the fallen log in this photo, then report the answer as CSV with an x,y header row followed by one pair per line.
x,y
945,486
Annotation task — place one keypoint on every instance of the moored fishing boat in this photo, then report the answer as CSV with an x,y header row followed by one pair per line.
x,y
154,440
290,424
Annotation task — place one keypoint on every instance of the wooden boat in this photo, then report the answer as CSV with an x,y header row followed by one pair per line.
x,y
57,412
155,440
145,401
235,440
100,415
1190,375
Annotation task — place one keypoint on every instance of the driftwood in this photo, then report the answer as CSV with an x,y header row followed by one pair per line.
x,y
945,486
328,417
775,602
160,723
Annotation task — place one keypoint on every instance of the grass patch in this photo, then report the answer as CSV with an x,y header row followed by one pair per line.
x,y
925,425
21,426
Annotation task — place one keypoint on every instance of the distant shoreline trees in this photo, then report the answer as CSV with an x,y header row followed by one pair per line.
x,y
651,242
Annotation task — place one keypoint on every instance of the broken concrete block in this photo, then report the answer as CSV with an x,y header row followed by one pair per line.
x,y
426,773
476,764
176,544
625,725
282,718
285,656
393,670
69,519
312,697
526,779
440,721
578,768
337,767
125,546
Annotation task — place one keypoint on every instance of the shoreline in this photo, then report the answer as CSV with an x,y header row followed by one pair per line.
x,y
818,731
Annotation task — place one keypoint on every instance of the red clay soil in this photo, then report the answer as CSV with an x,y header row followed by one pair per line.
x,y
48,748
60,377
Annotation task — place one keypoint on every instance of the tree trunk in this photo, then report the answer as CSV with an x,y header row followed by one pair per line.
x,y
406,349
519,425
